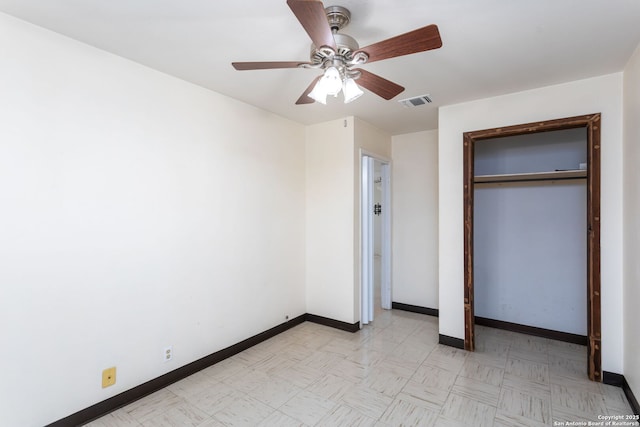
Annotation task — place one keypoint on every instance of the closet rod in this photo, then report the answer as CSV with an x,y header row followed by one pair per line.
x,y
534,176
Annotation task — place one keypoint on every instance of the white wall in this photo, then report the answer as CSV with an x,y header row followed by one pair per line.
x,y
415,218
600,94
330,195
333,214
632,222
529,153
530,246
138,211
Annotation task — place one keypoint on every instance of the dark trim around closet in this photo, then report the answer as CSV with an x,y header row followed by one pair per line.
x,y
591,123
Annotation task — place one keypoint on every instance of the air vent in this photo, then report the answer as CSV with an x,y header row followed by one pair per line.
x,y
416,101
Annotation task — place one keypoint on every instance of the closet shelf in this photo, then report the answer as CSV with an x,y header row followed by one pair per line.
x,y
534,176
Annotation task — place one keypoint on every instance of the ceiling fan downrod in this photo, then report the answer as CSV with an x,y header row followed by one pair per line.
x,y
338,17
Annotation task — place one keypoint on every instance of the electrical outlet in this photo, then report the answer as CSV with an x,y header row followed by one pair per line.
x,y
108,377
167,354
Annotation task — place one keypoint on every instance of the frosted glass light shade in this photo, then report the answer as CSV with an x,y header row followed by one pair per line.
x,y
351,90
319,92
332,81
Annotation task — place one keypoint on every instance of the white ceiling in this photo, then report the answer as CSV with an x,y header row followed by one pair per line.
x,y
490,47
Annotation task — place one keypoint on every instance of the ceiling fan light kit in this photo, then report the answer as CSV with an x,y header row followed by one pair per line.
x,y
338,54
331,83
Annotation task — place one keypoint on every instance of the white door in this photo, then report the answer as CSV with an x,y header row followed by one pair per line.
x,y
366,211
375,221
386,238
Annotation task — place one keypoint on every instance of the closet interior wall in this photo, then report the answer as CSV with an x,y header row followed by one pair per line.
x,y
530,240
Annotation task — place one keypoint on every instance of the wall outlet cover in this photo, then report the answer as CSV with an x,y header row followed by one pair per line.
x,y
168,353
108,377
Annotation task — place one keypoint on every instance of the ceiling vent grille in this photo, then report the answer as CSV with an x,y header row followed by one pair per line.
x,y
416,101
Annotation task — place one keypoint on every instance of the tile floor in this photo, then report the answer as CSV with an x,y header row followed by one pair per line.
x,y
391,373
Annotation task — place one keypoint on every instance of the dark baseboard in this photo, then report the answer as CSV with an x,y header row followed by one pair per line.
x,y
415,309
611,378
618,380
532,330
106,406
451,341
630,397
337,324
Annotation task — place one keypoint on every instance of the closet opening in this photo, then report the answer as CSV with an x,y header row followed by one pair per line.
x,y
512,179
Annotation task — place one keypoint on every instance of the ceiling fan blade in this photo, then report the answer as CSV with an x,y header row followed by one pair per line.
x,y
313,18
376,84
415,41
304,99
266,65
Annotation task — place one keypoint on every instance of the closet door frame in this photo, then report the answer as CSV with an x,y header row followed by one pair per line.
x,y
591,123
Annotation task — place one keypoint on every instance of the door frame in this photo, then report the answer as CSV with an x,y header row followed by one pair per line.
x,y
591,123
366,235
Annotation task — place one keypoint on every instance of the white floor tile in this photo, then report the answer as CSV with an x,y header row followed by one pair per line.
x,y
307,407
245,412
405,413
345,416
391,373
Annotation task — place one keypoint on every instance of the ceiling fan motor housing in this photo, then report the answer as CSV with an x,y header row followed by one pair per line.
x,y
338,17
345,43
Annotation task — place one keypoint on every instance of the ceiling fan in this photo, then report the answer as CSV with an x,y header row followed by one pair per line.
x,y
339,55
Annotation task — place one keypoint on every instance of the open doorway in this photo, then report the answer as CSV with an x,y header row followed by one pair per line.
x,y
375,264
591,123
